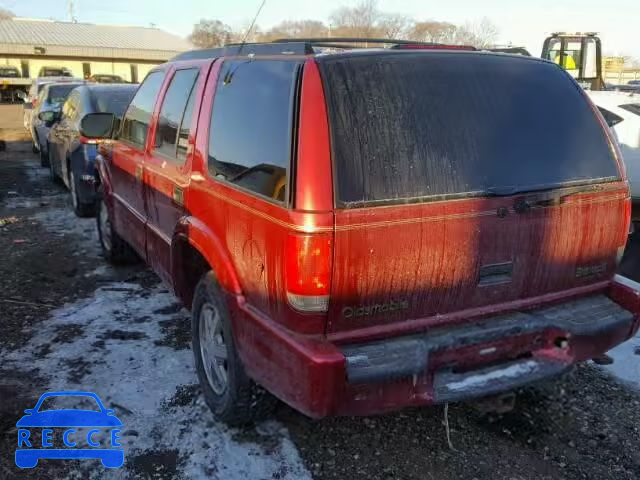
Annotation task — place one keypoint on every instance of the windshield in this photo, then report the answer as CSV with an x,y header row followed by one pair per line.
x,y
55,72
59,93
418,125
68,402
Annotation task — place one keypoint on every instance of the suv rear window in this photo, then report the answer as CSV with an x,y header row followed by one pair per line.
x,y
412,126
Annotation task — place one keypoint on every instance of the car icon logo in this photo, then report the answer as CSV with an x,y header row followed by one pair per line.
x,y
100,441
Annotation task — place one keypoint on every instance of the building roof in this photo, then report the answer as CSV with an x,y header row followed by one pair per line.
x,y
69,39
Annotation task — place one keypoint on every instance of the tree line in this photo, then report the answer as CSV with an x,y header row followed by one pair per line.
x,y
364,20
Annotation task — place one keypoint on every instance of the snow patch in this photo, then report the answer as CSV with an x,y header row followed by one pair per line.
x,y
138,378
626,363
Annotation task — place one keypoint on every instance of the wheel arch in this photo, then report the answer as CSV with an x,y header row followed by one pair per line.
x,y
195,249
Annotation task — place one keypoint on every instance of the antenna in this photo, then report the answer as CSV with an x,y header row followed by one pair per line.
x,y
246,35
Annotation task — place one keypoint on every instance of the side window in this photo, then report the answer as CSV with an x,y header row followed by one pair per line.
x,y
173,113
183,134
42,96
611,118
250,133
135,124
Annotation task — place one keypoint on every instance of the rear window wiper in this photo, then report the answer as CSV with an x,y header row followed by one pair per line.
x,y
540,197
550,198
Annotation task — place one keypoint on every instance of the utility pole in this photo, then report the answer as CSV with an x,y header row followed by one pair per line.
x,y
70,10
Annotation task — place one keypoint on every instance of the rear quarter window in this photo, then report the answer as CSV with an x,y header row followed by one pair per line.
x,y
431,125
251,126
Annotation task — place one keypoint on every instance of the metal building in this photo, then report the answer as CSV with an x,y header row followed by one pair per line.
x,y
85,49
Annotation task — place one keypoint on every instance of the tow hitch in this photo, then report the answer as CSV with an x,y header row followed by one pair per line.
x,y
503,403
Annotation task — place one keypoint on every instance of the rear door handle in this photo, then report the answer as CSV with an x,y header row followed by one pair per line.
x,y
138,172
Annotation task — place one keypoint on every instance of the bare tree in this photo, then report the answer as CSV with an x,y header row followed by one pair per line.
x,y
394,25
6,14
358,21
480,34
434,31
210,33
296,29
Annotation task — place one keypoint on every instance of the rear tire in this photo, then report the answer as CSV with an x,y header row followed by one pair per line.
x,y
230,394
115,249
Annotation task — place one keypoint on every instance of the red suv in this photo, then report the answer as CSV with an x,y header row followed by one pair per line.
x,y
356,231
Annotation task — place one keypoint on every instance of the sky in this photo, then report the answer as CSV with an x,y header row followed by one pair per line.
x,y
521,22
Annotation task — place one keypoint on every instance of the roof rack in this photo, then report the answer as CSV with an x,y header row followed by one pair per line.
x,y
512,50
304,46
315,41
266,48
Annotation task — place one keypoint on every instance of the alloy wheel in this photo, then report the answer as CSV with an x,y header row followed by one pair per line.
x,y
213,349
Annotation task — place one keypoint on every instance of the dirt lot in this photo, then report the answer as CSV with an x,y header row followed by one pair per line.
x,y
70,322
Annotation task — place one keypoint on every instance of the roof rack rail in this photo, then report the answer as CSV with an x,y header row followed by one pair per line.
x,y
294,47
303,46
315,41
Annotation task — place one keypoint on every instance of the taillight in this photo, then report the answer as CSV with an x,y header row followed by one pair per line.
x,y
34,103
308,271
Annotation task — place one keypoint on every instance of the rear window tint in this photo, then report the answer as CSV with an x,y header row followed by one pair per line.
x,y
433,125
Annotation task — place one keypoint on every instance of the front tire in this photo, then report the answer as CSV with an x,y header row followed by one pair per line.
x,y
230,394
115,249
81,210
44,158
52,173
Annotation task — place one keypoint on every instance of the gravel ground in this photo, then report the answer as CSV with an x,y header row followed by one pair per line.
x,y
72,322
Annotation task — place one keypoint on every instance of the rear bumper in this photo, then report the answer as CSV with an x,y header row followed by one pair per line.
x,y
447,364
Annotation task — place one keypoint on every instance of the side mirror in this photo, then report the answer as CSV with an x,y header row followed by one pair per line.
x,y
49,116
29,411
97,125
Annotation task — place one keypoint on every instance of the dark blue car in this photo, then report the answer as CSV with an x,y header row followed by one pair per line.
x,y
71,156
38,424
